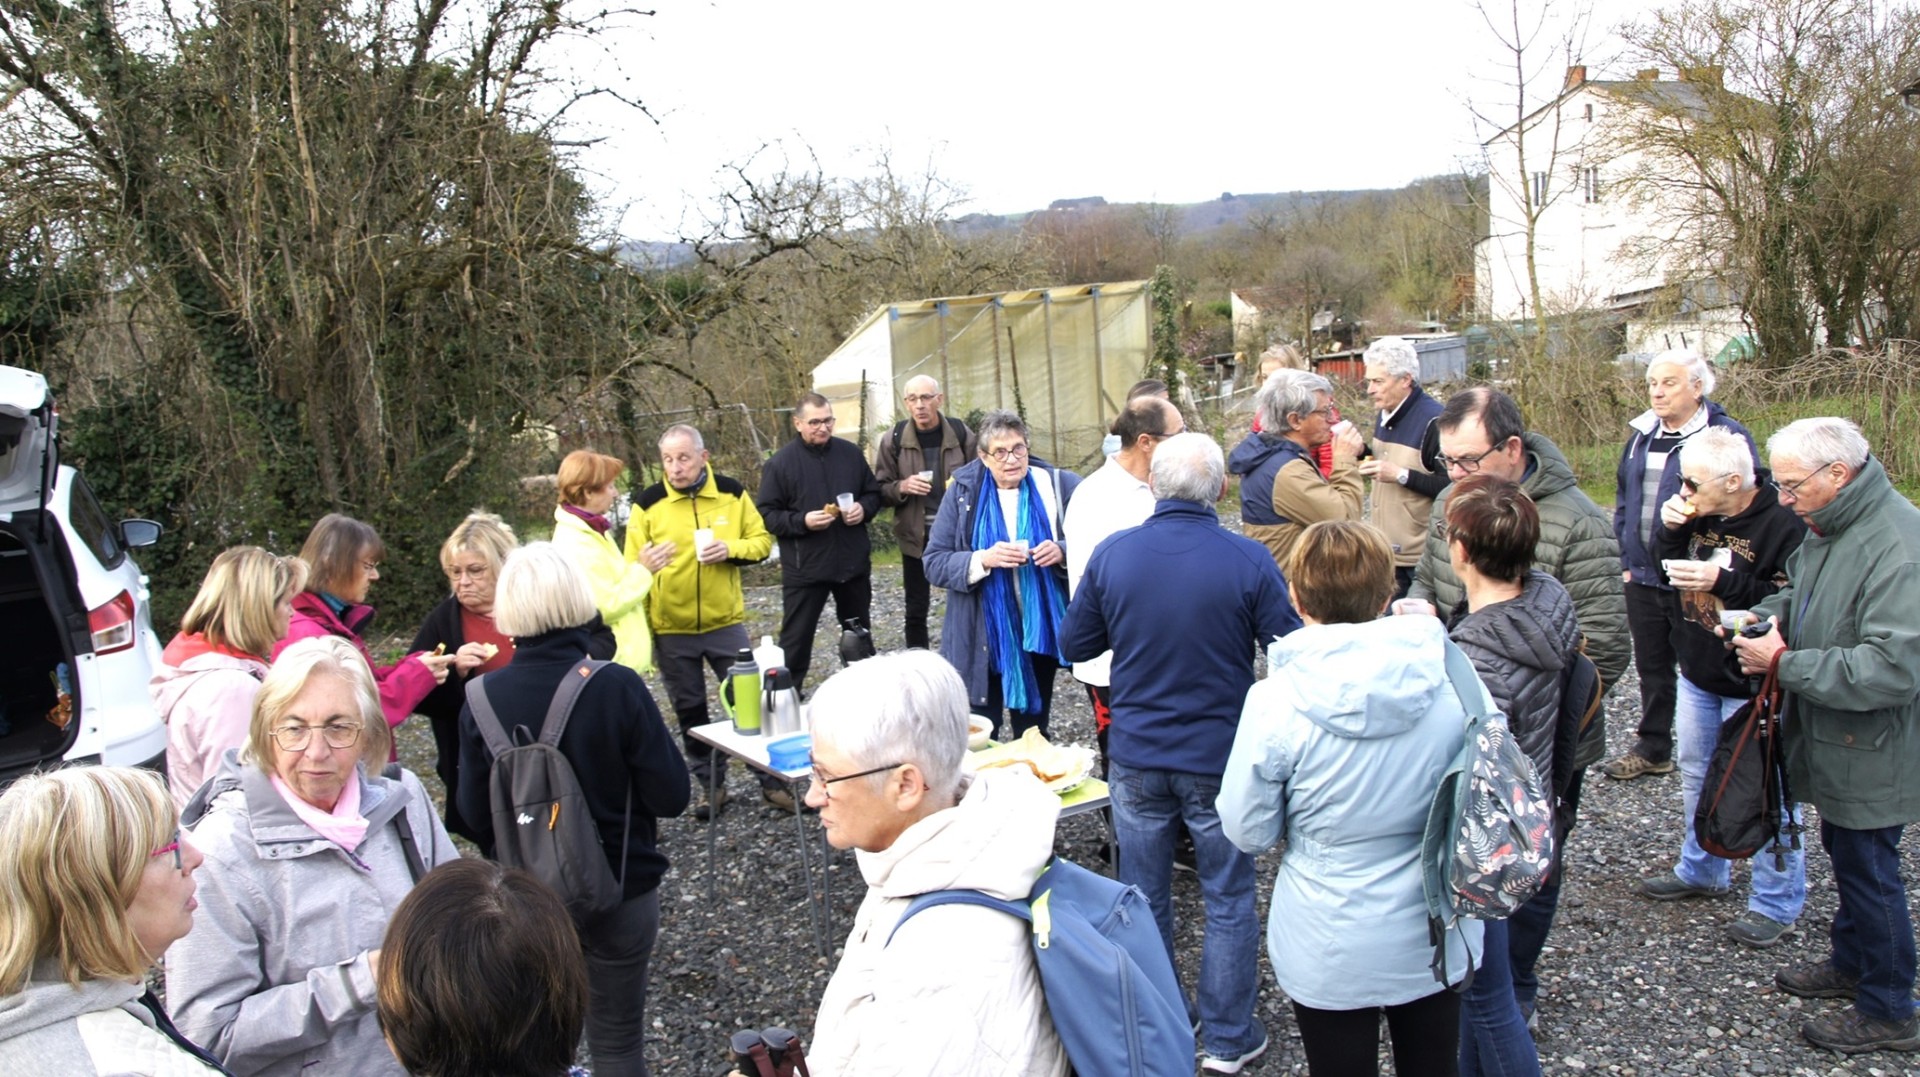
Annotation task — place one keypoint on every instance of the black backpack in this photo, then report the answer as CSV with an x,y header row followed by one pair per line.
x,y
541,821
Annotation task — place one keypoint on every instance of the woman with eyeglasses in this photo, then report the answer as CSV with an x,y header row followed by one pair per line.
x,y
343,559
309,851
998,549
95,885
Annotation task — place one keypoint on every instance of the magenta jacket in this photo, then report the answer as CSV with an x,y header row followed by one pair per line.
x,y
402,685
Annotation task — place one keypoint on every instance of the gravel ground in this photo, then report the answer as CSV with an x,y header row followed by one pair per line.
x,y
1628,986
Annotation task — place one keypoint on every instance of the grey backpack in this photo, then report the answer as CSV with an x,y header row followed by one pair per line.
x,y
541,821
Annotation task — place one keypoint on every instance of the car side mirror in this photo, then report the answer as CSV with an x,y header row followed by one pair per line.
x,y
136,534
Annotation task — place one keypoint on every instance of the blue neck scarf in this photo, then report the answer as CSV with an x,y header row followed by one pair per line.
x,y
1038,618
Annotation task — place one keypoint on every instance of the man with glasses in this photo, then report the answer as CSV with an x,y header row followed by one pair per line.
x,y
1282,490
824,549
1846,648
913,463
1481,431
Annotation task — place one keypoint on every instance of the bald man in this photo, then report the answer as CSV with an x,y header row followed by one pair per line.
x,y
913,462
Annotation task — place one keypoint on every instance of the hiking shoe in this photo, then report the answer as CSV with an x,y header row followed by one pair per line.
x,y
1671,887
1852,1032
1211,1064
1816,980
781,797
1630,766
1183,859
704,811
1759,932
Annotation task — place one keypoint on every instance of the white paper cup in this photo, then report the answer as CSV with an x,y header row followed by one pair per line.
x,y
846,502
1342,427
924,476
1020,544
702,538
1408,606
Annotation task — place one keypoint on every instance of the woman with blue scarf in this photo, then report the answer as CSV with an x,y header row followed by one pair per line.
x,y
997,548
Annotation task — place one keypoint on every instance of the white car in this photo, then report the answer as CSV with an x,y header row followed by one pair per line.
x,y
76,640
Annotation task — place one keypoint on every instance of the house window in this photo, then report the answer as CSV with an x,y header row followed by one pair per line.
x,y
1589,113
1590,185
1539,188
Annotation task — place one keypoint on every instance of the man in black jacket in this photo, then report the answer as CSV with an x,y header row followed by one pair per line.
x,y
824,549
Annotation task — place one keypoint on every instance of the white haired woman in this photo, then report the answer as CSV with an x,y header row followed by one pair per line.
x,y
1648,476
95,885
630,771
998,549
956,991
308,855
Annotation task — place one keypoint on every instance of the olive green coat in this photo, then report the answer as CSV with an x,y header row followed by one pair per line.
x,y
1852,666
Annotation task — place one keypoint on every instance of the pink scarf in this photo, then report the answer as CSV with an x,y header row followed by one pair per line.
x,y
344,825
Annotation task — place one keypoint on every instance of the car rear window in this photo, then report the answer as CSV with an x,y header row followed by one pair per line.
x,y
91,524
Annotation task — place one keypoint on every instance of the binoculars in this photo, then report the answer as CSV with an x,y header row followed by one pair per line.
x,y
770,1052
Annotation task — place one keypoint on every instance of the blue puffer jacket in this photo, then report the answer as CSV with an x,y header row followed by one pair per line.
x,y
949,553
1628,527
1339,751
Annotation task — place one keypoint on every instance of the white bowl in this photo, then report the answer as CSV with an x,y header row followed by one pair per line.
x,y
979,730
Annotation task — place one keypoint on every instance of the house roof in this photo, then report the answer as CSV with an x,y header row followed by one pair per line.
x,y
1668,95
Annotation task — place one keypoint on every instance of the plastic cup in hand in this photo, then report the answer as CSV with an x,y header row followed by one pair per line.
x,y
1406,606
924,476
702,538
1021,545
1342,427
1734,620
845,501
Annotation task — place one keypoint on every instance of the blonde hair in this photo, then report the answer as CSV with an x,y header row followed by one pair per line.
x,y
74,843
334,549
480,533
297,666
583,472
240,598
541,589
1341,572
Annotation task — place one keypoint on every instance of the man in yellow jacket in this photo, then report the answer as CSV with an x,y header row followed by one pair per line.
x,y
696,607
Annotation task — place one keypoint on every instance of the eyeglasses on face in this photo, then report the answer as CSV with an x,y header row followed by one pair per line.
x,y
1467,465
1791,491
294,736
1325,413
824,420
826,784
1006,453
922,398
171,847
369,567
469,572
1687,483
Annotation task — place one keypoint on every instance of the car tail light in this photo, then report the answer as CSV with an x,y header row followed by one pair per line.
x,y
112,624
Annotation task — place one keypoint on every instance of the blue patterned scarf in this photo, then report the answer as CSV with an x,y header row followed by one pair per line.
x,y
1039,616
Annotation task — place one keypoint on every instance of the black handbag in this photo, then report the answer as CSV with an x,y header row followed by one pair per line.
x,y
1744,797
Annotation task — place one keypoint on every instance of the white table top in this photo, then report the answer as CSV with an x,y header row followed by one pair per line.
x,y
749,750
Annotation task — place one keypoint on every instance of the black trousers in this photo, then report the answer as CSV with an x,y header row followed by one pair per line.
x,y
1650,623
1044,668
1346,1043
913,581
802,604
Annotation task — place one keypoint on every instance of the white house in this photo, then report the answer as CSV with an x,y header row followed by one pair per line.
x,y
1594,248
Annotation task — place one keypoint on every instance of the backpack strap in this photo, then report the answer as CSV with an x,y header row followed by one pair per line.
x,y
899,430
408,844
559,711
1467,684
485,718
928,900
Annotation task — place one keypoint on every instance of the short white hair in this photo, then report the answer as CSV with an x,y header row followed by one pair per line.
x,y
1188,467
904,707
683,430
1288,392
1394,356
1818,442
542,588
1721,452
933,384
1692,364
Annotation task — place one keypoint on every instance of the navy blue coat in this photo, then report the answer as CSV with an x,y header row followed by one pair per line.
x,y
1635,557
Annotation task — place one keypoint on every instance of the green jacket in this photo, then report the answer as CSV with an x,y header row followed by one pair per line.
x,y
1852,667
1576,547
689,598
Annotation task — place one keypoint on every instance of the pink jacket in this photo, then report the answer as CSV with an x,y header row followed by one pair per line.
x,y
206,698
402,685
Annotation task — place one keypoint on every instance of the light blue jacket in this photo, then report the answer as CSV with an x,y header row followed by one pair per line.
x,y
1339,751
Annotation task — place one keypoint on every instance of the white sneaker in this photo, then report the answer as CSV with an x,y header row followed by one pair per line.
x,y
1211,1064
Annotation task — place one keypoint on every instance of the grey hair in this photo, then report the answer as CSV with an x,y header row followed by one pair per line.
x,y
1288,392
904,707
542,588
682,430
1188,467
1825,440
928,378
999,423
1698,370
1720,451
1395,356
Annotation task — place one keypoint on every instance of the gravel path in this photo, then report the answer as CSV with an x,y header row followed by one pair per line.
x,y
1629,987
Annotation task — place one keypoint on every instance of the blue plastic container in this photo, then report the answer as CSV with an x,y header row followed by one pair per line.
x,y
790,752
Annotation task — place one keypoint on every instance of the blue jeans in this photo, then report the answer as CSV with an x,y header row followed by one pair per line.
x,y
1493,1036
1779,892
1872,934
1148,808
1528,926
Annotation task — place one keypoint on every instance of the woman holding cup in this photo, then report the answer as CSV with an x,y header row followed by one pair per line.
x,y
997,548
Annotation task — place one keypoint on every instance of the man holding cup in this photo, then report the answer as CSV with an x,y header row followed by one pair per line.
x,y
1282,491
913,463
694,530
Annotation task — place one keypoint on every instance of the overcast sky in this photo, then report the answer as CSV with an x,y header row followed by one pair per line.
x,y
1024,103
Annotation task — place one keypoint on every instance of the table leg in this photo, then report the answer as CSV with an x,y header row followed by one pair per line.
x,y
806,865
713,818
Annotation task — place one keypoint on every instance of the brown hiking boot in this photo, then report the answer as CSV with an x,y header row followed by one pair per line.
x,y
1816,980
1851,1032
1630,766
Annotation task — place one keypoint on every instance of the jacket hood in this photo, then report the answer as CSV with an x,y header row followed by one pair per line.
x,y
355,619
1407,657
1253,450
996,840
1551,472
1862,495
47,999
171,681
1523,629
245,788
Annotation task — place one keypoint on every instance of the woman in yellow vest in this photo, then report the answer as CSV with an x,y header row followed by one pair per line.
x,y
581,528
